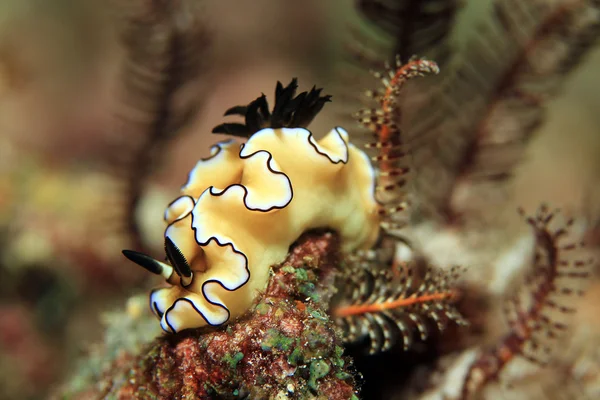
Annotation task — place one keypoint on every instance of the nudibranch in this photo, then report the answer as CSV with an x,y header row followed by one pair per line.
x,y
244,206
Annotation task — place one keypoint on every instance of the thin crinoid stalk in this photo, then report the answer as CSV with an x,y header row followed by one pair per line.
x,y
388,143
537,320
387,307
165,47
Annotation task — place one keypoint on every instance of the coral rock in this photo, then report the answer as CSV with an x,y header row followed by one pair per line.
x,y
286,347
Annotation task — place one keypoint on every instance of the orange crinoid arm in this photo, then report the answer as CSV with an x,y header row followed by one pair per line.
x,y
345,311
381,121
385,307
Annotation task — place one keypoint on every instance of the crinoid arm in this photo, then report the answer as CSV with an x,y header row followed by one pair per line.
x,y
469,133
413,26
394,306
538,313
166,46
385,139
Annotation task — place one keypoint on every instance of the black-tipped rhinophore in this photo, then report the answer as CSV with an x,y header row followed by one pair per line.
x,y
290,111
177,259
144,261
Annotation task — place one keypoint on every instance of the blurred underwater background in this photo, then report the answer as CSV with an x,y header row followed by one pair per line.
x,y
90,155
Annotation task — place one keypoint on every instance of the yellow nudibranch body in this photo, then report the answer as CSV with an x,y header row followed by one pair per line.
x,y
243,207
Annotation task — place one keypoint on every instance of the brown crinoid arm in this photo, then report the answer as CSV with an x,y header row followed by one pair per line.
x,y
409,27
470,132
387,307
538,313
414,26
165,46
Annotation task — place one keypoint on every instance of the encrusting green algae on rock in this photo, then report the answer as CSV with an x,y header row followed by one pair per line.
x,y
285,347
